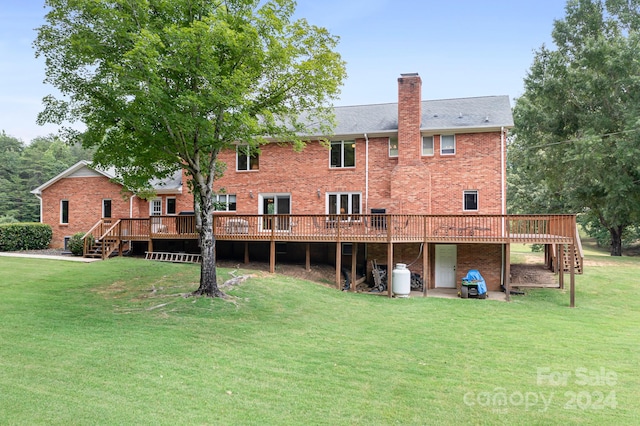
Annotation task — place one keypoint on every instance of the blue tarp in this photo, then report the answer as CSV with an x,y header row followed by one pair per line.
x,y
474,277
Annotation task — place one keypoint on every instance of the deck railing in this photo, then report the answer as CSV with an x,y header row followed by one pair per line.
x,y
541,229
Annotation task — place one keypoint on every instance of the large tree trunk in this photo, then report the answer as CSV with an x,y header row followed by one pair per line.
x,y
616,240
204,224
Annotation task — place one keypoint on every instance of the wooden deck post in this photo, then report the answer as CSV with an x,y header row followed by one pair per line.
x,y
308,258
390,269
354,261
572,279
560,263
272,256
246,253
507,271
425,269
338,264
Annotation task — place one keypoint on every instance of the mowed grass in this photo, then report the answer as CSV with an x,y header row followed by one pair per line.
x,y
113,343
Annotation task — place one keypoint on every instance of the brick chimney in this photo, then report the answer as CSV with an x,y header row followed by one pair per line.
x,y
409,117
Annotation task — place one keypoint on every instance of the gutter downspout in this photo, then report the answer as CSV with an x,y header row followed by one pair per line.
x,y
40,198
366,178
131,206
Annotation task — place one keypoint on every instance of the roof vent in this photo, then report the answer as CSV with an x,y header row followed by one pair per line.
x,y
486,119
460,115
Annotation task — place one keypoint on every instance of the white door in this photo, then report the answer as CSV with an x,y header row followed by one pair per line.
x,y
446,257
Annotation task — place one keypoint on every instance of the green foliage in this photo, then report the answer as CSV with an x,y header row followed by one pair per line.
x,y
163,85
577,136
76,243
25,167
24,236
8,219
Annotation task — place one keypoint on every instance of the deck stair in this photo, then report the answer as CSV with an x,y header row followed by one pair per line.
x,y
173,257
569,256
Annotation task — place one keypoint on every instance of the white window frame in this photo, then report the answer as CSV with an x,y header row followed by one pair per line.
x,y
393,147
342,154
62,221
349,208
225,198
175,206
464,200
104,200
249,156
427,154
153,210
442,150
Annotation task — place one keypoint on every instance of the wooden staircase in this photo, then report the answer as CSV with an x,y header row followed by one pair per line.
x,y
572,256
102,248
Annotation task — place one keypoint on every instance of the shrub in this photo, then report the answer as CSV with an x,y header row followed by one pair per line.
x,y
76,243
24,236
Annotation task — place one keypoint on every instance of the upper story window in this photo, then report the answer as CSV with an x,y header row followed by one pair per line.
x,y
343,154
247,158
64,211
171,206
427,145
447,144
393,147
224,202
470,200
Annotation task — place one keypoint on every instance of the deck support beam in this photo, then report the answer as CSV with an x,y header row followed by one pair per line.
x,y
560,263
507,271
390,269
272,256
246,253
572,278
307,263
354,261
338,264
425,269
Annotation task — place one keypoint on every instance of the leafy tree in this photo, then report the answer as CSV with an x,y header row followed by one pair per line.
x,y
163,85
25,167
577,126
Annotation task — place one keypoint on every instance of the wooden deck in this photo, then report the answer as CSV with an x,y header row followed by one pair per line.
x,y
551,230
492,229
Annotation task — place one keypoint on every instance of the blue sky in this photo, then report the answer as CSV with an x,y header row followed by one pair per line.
x,y
460,49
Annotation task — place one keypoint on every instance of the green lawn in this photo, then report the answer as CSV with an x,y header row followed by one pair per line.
x,y
110,343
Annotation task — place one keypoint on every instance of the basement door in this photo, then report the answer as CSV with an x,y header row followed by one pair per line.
x,y
446,259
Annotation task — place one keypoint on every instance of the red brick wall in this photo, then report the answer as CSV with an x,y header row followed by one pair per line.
x,y
85,195
430,185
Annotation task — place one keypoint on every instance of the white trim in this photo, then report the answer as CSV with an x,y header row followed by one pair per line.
x,y
152,210
342,156
397,154
71,170
433,145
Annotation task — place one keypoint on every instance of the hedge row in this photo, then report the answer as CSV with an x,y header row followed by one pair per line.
x,y
24,236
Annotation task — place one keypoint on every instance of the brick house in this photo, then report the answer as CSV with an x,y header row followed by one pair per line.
x,y
415,182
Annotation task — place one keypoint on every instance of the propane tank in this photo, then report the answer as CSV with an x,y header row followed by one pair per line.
x,y
401,280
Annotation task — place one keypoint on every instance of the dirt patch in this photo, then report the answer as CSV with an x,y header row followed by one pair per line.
x,y
323,274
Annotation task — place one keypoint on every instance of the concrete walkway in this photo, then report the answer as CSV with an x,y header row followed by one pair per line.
x,y
69,258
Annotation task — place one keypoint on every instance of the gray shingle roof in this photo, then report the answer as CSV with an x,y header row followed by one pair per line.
x,y
481,113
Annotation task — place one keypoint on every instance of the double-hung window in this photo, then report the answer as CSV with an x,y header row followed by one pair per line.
x,y
470,200
393,147
247,158
225,202
447,144
427,146
343,154
171,206
106,208
64,211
